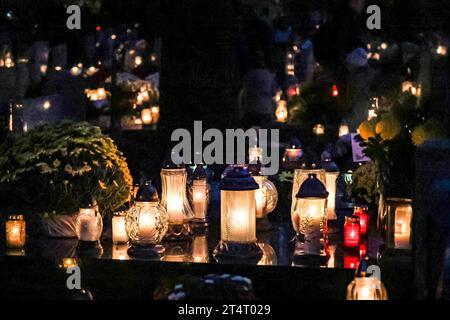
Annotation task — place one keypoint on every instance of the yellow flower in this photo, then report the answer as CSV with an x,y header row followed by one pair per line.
x,y
431,129
367,129
389,127
102,185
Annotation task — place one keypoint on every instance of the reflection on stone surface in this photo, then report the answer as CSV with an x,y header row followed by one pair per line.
x,y
178,252
269,257
200,252
120,252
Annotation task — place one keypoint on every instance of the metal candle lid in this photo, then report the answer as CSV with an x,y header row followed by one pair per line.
x,y
199,172
327,162
147,193
238,179
312,188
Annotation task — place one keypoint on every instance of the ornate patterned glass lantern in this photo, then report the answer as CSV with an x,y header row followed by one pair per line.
x,y
199,195
146,223
366,286
89,223
174,200
238,217
309,218
301,175
266,198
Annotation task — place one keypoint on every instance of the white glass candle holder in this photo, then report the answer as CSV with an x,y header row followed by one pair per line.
x,y
174,200
310,220
238,217
89,223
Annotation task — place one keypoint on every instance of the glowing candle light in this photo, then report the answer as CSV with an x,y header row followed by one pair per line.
x,y
146,116
89,223
362,212
310,219
119,232
402,232
335,91
352,232
238,216
200,252
174,200
343,130
15,232
155,114
255,154
199,193
281,112
366,286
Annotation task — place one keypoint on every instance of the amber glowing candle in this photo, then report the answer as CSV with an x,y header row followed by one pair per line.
x,y
15,232
352,232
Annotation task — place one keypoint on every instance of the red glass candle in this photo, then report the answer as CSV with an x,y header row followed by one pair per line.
x,y
352,232
351,260
363,213
363,249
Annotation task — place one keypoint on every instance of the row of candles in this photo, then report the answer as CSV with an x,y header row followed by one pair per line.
x,y
150,220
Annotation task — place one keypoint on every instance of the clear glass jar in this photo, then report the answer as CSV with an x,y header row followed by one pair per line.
x,y
399,215
89,223
199,195
174,196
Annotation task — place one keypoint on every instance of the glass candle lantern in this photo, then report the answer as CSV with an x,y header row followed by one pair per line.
x,y
146,116
255,154
293,155
366,286
119,232
89,223
155,114
15,232
352,232
146,223
362,212
301,175
266,198
331,175
174,200
399,220
199,195
309,218
344,130
281,113
238,217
